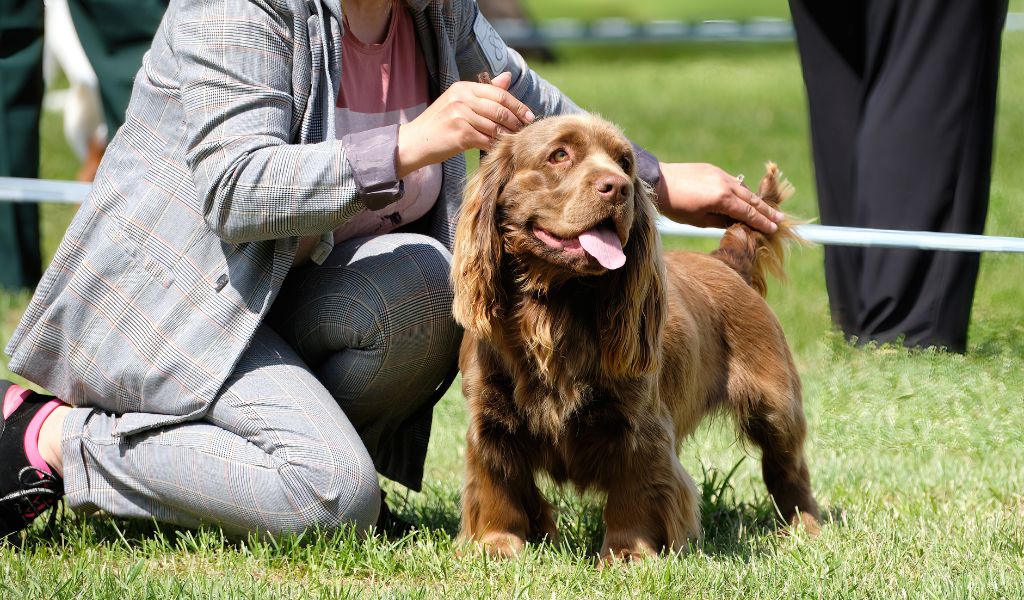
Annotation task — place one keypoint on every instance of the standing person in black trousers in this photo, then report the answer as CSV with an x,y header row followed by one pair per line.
x,y
902,97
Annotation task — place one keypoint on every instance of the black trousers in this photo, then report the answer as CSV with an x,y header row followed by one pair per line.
x,y
902,97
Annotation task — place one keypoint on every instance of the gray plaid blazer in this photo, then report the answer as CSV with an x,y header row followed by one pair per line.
x,y
226,157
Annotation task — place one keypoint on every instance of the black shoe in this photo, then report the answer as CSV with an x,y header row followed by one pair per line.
x,y
390,525
26,491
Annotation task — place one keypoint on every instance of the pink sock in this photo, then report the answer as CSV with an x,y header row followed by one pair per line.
x,y
15,397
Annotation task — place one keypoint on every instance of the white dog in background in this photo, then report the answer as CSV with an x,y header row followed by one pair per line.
x,y
84,126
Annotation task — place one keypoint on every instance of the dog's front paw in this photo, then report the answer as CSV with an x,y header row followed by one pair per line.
x,y
804,522
626,547
502,544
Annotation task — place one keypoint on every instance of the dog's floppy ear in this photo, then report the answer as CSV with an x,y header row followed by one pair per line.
x,y
635,297
476,264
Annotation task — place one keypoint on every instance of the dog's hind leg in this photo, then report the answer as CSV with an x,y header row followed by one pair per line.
x,y
773,418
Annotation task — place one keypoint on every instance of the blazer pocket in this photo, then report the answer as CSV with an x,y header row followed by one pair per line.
x,y
153,353
133,251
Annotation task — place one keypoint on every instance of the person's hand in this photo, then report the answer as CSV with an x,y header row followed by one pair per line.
x,y
705,195
467,115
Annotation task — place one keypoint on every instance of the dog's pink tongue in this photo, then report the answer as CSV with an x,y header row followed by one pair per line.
x,y
603,244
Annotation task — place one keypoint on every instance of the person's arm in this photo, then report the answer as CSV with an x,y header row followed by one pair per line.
x,y
467,115
235,60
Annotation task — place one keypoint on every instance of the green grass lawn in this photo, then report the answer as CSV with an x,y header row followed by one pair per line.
x,y
917,457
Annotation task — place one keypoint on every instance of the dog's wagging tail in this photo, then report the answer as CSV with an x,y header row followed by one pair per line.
x,y
590,355
752,253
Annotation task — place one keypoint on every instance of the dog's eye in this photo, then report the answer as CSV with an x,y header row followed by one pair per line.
x,y
625,163
558,156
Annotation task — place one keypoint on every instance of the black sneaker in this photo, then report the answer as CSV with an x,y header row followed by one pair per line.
x,y
28,487
389,524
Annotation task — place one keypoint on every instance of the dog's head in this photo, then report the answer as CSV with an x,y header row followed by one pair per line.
x,y
562,197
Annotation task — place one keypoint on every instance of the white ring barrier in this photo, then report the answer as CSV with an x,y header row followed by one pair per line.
x,y
19,189
873,238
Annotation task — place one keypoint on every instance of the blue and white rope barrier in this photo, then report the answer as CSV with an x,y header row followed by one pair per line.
x,y
523,34
15,189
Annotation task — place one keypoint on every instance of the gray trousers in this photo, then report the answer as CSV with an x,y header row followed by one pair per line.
x,y
334,388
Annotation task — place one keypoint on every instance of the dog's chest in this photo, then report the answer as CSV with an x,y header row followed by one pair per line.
x,y
575,433
556,361
549,407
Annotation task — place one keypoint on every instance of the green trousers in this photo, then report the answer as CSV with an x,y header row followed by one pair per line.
x,y
115,34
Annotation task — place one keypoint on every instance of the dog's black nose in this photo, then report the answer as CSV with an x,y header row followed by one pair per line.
x,y
612,187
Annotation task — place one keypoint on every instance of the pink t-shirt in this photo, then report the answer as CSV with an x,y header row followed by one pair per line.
x,y
384,84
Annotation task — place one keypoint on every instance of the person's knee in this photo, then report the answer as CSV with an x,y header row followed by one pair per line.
x,y
359,502
404,286
430,264
340,490
416,297
433,262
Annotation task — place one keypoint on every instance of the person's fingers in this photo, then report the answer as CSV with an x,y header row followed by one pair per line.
x,y
759,204
497,113
744,211
503,80
481,132
506,99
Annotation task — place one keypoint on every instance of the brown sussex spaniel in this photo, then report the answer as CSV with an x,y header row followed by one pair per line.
x,y
590,356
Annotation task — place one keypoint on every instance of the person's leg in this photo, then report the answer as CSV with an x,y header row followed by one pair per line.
x,y
274,455
115,35
21,95
924,161
830,38
374,322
